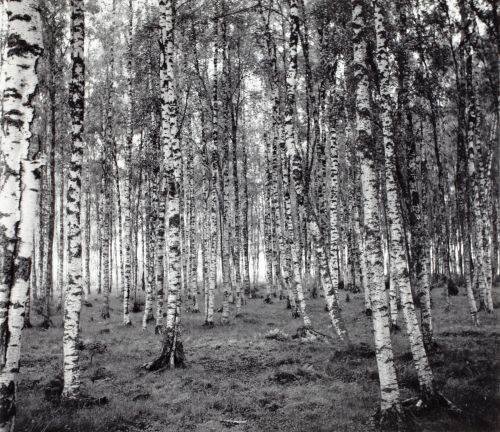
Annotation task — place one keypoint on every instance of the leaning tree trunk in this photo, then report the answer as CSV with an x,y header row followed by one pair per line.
x,y
73,298
398,262
390,407
18,189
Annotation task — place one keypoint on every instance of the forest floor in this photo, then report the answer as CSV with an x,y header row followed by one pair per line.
x,y
237,380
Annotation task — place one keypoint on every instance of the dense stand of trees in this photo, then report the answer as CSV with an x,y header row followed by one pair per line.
x,y
316,146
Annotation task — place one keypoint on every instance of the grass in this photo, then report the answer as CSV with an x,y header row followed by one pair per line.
x,y
235,374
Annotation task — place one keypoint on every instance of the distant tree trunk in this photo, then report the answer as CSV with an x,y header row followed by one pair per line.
x,y
482,265
18,189
237,210
88,237
73,298
128,163
100,227
244,228
106,241
148,304
42,238
49,275
193,252
390,400
61,264
268,222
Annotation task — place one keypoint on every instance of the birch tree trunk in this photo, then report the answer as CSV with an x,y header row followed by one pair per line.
x,y
18,84
390,407
398,263
292,154
73,298
172,354
128,163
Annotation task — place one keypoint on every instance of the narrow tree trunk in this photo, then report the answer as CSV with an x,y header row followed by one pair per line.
x,y
390,406
172,354
74,290
398,263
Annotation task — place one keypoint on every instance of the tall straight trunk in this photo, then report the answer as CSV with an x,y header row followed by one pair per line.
x,y
73,298
419,245
482,265
212,273
191,232
100,225
288,272
237,210
106,240
148,303
128,163
212,186
160,247
268,223
294,157
18,189
118,229
224,180
390,405
172,354
205,255
61,269
398,262
42,248
49,276
244,228
88,232
109,153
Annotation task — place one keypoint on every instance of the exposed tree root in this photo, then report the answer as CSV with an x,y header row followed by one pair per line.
x,y
393,419
308,334
428,403
82,401
172,354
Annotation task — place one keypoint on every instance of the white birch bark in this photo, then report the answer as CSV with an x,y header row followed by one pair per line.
x,y
18,84
398,263
389,390
74,289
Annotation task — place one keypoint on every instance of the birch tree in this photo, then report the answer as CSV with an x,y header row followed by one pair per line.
x,y
390,405
74,289
172,353
18,189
